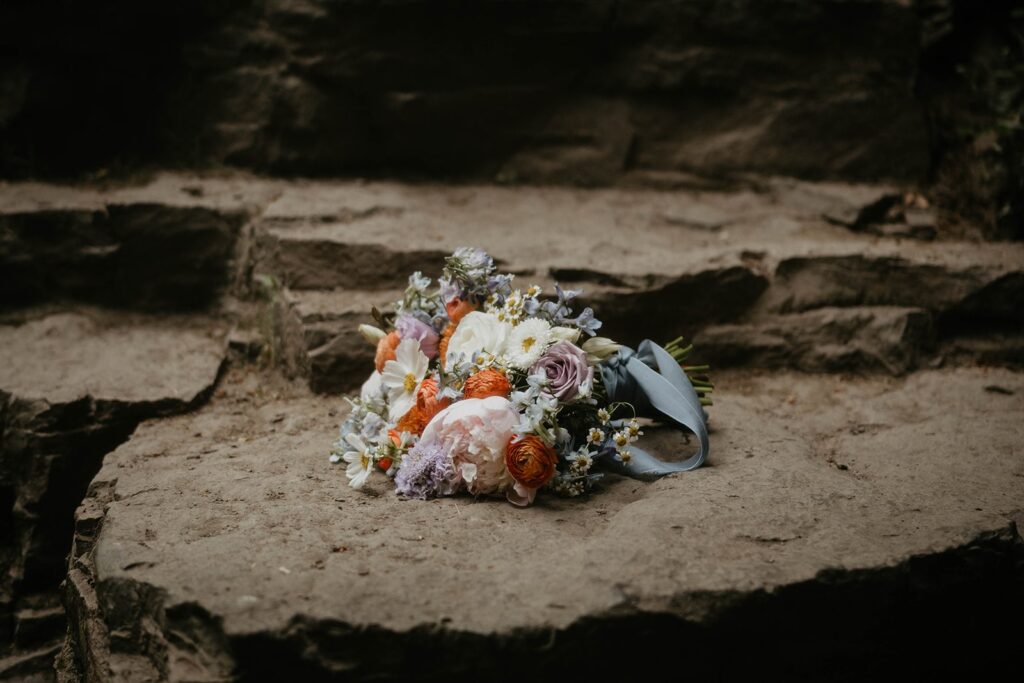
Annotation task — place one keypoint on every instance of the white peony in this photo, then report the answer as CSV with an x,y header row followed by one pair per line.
x,y
475,433
478,332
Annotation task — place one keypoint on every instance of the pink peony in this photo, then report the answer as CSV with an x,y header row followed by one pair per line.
x,y
475,433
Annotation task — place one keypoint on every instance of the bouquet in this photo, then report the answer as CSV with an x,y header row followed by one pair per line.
x,y
484,388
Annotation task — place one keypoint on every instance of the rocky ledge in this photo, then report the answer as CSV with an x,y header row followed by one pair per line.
x,y
844,527
73,385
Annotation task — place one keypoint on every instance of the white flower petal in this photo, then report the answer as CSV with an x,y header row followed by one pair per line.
x,y
400,403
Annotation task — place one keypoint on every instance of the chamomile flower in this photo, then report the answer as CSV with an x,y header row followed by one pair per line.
x,y
621,439
595,436
360,461
633,429
527,343
604,416
402,377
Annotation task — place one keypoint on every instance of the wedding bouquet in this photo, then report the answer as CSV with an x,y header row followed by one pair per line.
x,y
486,388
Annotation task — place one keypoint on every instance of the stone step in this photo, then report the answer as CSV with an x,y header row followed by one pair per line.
x,y
888,339
166,244
892,502
719,266
317,335
73,385
32,666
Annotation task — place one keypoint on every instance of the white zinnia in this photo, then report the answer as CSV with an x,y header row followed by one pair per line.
x,y
360,461
527,343
402,377
478,332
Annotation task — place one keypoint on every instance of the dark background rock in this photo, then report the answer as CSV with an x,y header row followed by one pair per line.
x,y
575,91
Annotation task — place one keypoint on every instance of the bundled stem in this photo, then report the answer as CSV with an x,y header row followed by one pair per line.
x,y
697,374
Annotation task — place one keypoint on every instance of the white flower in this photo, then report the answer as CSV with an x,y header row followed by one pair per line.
x,y
360,461
569,334
418,282
372,334
478,332
603,415
372,388
595,436
527,343
599,349
402,377
476,432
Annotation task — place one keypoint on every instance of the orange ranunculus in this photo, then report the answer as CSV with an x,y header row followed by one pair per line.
x,y
489,382
427,401
458,308
427,406
386,349
412,422
442,347
530,461
395,436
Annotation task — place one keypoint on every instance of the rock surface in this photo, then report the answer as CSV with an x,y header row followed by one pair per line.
x,y
168,244
849,516
578,91
72,386
653,264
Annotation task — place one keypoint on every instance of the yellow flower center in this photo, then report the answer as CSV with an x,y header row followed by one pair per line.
x,y
365,460
410,383
528,344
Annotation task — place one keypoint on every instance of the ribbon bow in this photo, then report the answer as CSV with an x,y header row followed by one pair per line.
x,y
654,383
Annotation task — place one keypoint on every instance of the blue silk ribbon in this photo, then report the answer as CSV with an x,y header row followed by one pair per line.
x,y
657,387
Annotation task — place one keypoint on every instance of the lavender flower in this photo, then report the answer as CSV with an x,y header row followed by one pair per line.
x,y
587,322
566,368
409,327
427,472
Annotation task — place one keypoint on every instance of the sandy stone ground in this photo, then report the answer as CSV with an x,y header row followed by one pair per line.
x,y
234,515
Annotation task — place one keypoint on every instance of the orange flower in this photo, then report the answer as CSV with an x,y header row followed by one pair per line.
x,y
386,349
427,406
412,422
457,309
530,461
427,401
489,382
442,347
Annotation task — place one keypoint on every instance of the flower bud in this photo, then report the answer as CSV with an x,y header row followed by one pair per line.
x,y
600,349
372,334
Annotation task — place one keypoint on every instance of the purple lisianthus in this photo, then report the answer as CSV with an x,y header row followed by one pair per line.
x,y
427,471
409,327
566,368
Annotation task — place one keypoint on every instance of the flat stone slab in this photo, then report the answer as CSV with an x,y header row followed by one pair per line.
x,y
243,552
63,357
73,385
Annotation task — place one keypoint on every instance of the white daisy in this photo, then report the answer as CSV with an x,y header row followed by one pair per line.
x,y
527,343
402,377
360,461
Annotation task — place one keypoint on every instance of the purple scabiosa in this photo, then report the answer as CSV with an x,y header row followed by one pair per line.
x,y
427,471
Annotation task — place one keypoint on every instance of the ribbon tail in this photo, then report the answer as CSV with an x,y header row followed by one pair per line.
x,y
674,403
642,465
